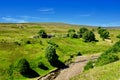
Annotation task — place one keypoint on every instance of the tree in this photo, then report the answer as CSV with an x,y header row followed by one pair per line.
x,y
42,34
51,54
52,57
88,36
104,34
82,31
71,33
23,66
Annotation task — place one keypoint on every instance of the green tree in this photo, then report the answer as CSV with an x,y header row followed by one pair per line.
x,y
23,66
71,33
51,54
88,36
42,34
53,57
82,31
104,34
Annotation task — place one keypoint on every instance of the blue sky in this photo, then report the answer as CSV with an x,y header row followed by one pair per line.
x,y
84,12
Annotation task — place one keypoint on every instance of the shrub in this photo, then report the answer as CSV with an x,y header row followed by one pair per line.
x,y
25,70
118,36
78,54
42,66
52,43
42,34
51,53
115,48
89,65
81,31
52,57
88,36
71,33
106,59
104,34
23,66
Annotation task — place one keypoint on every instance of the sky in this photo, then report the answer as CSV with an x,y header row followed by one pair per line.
x,y
83,12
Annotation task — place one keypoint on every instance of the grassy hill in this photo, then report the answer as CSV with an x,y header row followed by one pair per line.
x,y
10,52
107,72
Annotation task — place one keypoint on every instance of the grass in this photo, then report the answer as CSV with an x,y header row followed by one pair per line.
x,y
107,72
34,53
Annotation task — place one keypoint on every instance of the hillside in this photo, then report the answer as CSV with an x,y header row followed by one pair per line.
x,y
16,42
107,72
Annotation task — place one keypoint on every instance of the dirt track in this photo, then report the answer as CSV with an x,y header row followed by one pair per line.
x,y
73,69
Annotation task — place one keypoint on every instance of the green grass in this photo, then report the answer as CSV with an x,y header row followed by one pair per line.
x,y
35,53
107,72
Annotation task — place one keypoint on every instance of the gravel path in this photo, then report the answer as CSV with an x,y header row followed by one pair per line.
x,y
75,68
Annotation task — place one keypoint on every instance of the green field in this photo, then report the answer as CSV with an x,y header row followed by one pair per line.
x,y
10,52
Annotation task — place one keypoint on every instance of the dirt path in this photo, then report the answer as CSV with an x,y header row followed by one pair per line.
x,y
75,68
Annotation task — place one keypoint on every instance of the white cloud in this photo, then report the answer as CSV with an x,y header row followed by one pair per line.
x,y
32,17
10,19
47,10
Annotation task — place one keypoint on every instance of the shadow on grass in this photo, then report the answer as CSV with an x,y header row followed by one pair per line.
x,y
58,64
29,73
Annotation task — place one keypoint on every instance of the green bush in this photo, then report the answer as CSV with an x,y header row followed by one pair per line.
x,y
115,48
23,65
88,36
118,36
82,31
78,54
51,53
42,34
25,70
104,34
72,34
106,59
52,43
52,57
88,66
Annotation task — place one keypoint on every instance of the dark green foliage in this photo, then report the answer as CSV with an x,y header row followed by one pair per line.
x,y
53,57
89,65
42,66
72,34
104,34
10,72
115,48
109,55
71,30
118,36
25,70
23,65
52,43
42,34
106,59
79,54
51,53
82,31
88,36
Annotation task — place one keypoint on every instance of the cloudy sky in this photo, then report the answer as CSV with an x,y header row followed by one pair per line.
x,y
85,12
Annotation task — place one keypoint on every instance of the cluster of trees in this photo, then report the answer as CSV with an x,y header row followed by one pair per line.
x,y
84,33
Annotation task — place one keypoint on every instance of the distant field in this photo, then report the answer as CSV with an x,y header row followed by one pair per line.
x,y
34,53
